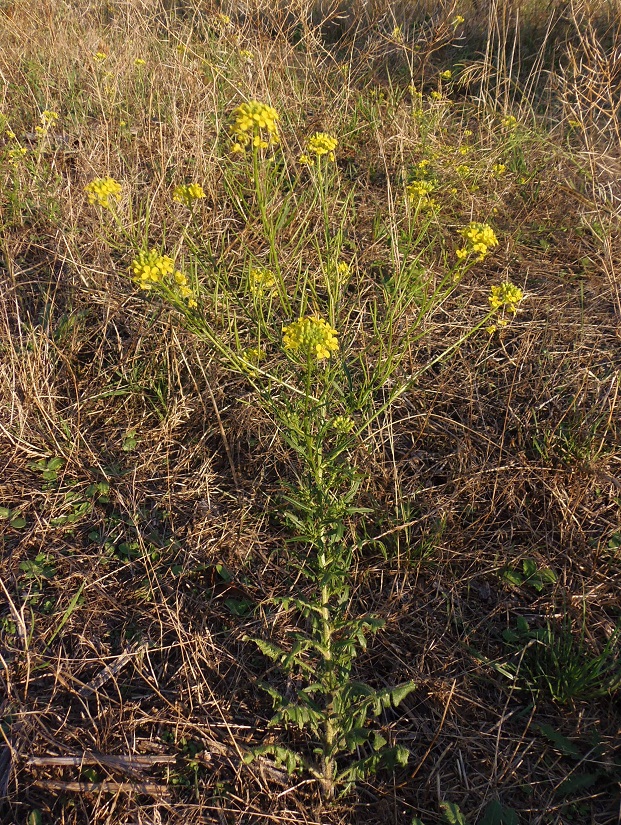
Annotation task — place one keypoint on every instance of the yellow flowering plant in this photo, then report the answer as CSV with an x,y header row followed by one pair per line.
x,y
188,193
151,269
480,239
255,125
319,145
261,281
311,337
103,192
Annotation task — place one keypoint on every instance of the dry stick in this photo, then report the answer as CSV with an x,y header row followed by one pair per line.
x,y
147,788
121,760
437,734
110,670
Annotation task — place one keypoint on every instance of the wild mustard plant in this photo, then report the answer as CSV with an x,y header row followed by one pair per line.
x,y
303,392
261,281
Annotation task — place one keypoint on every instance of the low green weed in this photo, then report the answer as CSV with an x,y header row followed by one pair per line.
x,y
555,661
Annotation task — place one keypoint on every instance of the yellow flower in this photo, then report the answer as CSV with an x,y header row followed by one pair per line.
x,y
463,170
187,193
261,280
479,237
467,132
463,150
343,424
101,190
151,268
457,21
397,34
447,75
313,337
255,125
499,169
505,296
10,134
436,95
15,155
100,56
321,143
343,269
509,122
254,354
246,55
305,160
140,62
418,194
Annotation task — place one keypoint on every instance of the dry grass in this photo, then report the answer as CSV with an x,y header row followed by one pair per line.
x,y
122,649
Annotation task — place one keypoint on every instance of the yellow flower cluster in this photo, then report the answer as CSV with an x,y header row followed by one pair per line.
x,y
509,122
254,354
499,169
313,337
181,282
479,237
261,280
419,192
151,268
17,154
447,75
187,193
139,61
343,424
319,144
255,125
457,21
505,296
48,119
100,190
100,57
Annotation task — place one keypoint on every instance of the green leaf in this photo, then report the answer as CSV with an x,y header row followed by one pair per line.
x,y
55,463
399,693
498,814
35,817
18,523
560,742
268,649
4,512
529,566
452,814
513,577
577,782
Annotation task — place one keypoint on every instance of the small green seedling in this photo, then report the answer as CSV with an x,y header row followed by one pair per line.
x,y
529,576
15,519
